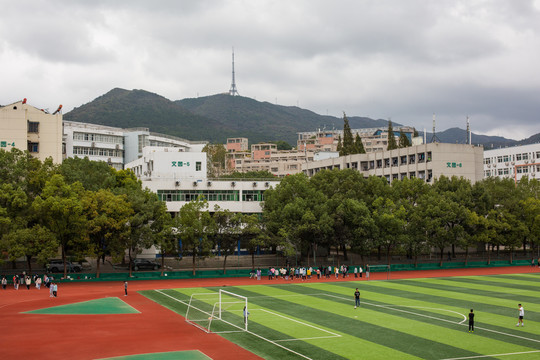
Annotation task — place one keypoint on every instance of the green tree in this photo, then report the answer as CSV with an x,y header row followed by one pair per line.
x,y
228,230
282,145
216,159
358,145
31,243
403,140
348,140
59,209
391,137
195,228
108,216
93,175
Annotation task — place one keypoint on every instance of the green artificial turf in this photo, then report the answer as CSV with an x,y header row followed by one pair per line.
x,y
397,319
109,305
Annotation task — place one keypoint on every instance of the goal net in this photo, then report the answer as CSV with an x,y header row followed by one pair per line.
x,y
218,312
380,268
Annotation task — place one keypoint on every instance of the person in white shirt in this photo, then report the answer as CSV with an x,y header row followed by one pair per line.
x,y
521,315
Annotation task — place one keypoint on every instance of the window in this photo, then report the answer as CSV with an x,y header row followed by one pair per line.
x,y
421,157
487,161
379,164
198,166
525,156
33,126
386,163
412,159
518,157
429,156
499,159
403,160
33,147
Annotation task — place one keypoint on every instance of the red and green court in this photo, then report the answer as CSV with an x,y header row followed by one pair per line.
x,y
94,320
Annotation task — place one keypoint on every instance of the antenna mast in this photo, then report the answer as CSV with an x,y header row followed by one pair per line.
x,y
434,137
233,91
468,140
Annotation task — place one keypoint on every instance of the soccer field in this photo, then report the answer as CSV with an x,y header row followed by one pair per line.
x,y
397,319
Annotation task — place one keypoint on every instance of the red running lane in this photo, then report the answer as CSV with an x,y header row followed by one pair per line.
x,y
155,329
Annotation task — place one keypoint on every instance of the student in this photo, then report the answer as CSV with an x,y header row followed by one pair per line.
x,y
356,298
125,288
521,315
471,321
246,314
4,282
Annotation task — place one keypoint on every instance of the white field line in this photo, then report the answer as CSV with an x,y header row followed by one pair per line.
x,y
332,335
249,332
493,355
436,318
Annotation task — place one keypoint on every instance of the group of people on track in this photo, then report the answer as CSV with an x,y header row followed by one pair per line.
x,y
23,279
307,273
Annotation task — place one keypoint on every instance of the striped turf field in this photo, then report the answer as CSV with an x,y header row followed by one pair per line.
x,y
397,319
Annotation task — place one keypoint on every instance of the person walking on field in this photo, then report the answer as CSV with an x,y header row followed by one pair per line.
x,y
4,282
246,314
521,315
471,321
125,288
28,282
356,298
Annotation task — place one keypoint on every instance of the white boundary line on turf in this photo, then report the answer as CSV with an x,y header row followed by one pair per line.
x,y
436,318
249,332
333,335
485,356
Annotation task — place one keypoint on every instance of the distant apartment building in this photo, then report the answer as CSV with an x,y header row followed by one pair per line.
x,y
373,139
237,144
117,146
513,162
26,127
266,157
426,161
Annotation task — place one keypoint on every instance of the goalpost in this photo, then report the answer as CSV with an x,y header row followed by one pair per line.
x,y
218,312
380,268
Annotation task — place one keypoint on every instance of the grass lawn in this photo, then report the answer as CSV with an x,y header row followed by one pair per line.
x,y
397,319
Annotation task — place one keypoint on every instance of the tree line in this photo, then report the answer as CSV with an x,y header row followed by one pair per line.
x,y
83,208
340,210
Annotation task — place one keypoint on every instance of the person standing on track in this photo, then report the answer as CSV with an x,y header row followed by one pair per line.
x,y
521,315
356,298
125,288
471,321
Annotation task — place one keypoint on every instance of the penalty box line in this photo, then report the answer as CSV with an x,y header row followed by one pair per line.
x,y
249,332
436,318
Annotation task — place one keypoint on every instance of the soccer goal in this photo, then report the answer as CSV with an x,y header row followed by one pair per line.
x,y
218,312
380,268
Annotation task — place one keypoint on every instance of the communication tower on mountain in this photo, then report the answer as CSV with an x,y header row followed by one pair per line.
x,y
233,91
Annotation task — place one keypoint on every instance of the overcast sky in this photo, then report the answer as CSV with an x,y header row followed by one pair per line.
x,y
404,60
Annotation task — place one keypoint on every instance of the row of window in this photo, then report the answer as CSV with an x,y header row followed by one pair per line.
x,y
77,150
211,195
509,171
394,161
512,157
109,139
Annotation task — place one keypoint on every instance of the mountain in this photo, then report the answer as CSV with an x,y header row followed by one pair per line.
x,y
139,108
217,117
263,121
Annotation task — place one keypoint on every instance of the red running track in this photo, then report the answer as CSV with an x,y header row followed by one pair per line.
x,y
154,329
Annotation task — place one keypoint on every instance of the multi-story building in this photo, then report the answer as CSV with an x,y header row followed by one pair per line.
x,y
426,161
373,139
26,127
97,142
118,146
513,162
179,177
237,144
